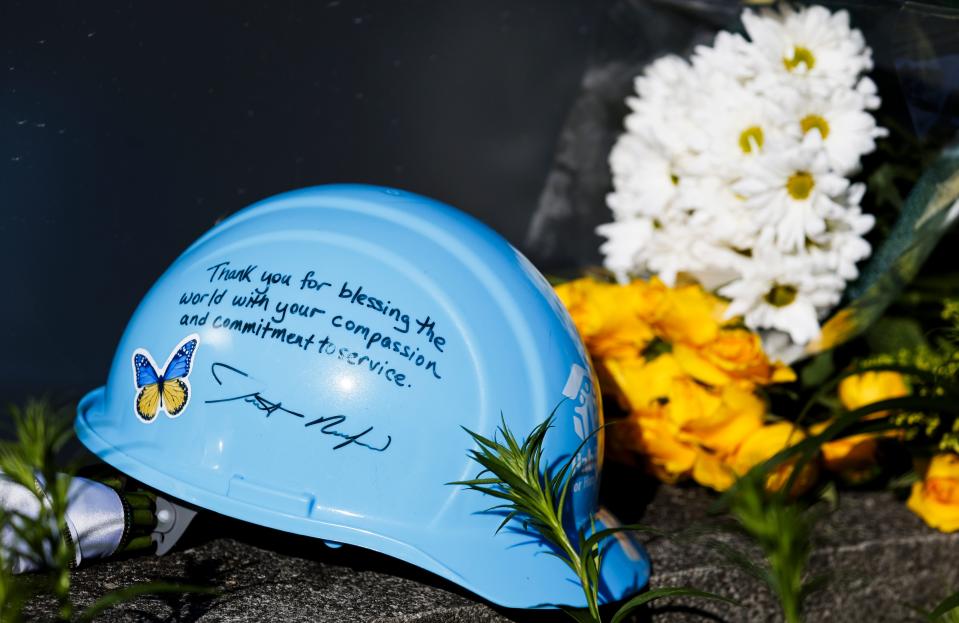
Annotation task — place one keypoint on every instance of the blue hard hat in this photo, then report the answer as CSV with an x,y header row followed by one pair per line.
x,y
308,364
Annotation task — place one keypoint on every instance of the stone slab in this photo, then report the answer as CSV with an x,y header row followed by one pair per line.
x,y
881,556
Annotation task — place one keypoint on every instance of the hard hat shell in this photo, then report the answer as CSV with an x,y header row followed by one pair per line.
x,y
308,364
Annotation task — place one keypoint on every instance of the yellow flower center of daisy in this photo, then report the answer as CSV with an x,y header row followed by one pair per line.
x,y
753,135
799,185
815,121
800,55
781,296
674,179
812,244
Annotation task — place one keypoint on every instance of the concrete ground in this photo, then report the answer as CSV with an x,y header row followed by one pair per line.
x,y
881,558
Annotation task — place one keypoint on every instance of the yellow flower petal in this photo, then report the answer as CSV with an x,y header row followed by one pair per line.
x,y
847,454
689,314
870,387
936,497
638,383
690,402
766,442
734,355
710,471
699,367
655,437
783,373
738,415
607,317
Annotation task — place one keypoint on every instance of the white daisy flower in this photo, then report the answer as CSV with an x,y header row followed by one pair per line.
x,y
662,80
843,246
733,171
718,265
869,92
780,292
647,160
669,128
847,131
719,213
730,55
676,248
791,194
625,243
737,126
811,46
644,177
779,347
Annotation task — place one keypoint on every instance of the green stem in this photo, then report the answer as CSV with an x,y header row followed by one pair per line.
x,y
790,609
575,561
588,589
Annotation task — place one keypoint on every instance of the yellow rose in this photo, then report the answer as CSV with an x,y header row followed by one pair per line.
x,y
855,454
870,387
766,442
718,418
649,298
849,455
736,413
575,296
720,472
936,498
687,420
654,436
734,355
606,317
689,403
710,470
638,383
689,314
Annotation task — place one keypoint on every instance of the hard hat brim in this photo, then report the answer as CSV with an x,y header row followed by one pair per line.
x,y
510,569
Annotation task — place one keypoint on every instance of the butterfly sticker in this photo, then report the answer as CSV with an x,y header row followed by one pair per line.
x,y
169,391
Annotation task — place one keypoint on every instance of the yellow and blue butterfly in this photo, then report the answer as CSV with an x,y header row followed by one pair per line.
x,y
169,391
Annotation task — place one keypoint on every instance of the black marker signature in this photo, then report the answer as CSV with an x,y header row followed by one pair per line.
x,y
328,424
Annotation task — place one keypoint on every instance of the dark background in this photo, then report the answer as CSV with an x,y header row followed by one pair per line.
x,y
127,130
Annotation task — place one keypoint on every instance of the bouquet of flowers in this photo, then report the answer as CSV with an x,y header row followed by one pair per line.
x,y
740,218
735,170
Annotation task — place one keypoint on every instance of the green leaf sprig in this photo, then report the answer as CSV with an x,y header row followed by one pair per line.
x,y
781,525
946,611
535,494
782,528
31,461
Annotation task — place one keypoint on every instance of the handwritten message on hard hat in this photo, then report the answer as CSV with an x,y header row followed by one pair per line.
x,y
329,317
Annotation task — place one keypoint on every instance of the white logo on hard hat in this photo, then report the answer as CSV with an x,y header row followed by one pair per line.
x,y
579,388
